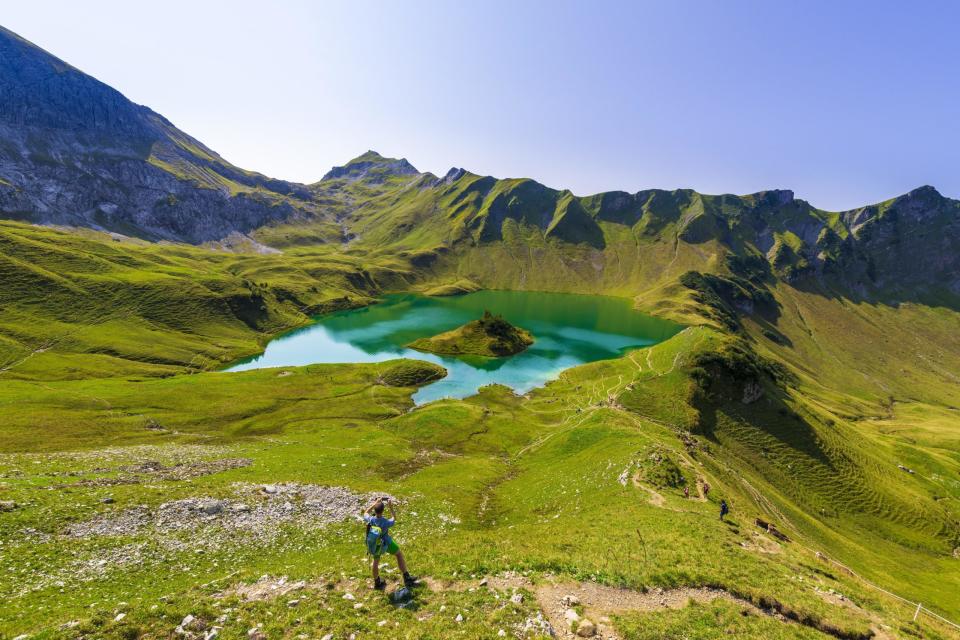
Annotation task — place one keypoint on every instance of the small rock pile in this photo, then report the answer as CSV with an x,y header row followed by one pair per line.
x,y
254,508
583,627
535,626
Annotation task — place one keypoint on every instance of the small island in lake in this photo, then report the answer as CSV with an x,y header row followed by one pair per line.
x,y
490,336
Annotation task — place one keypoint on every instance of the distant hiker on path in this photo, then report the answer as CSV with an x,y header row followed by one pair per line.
x,y
686,492
724,509
378,540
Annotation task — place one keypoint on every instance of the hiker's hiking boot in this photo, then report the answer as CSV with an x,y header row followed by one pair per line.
x,y
409,580
379,584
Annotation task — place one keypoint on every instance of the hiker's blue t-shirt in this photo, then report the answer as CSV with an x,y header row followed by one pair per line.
x,y
383,523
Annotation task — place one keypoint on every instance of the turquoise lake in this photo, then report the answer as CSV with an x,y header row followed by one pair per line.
x,y
569,330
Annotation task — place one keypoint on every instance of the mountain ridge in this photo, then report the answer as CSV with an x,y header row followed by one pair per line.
x,y
76,152
891,246
71,142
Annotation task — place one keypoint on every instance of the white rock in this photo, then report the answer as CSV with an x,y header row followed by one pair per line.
x,y
211,507
586,629
517,598
359,605
571,616
329,636
349,596
459,617
120,616
382,623
501,633
570,600
187,620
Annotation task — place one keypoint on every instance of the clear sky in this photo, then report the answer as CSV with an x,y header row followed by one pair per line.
x,y
846,103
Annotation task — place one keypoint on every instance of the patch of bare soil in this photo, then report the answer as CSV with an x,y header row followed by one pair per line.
x,y
266,588
760,543
656,499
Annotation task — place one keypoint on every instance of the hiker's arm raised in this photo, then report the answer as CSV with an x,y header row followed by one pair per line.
x,y
393,513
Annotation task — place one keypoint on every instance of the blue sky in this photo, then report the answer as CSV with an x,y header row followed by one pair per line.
x,y
846,103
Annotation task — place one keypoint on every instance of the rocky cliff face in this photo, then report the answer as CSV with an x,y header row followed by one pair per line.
x,y
75,151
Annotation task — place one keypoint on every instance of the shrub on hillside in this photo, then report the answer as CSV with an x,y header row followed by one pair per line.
x,y
659,469
412,373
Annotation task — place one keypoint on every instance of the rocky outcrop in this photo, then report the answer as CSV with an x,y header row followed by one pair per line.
x,y
373,168
75,151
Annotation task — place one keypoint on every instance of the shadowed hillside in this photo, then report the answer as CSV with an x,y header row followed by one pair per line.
x,y
75,151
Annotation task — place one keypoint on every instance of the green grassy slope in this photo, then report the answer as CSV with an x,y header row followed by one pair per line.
x,y
79,305
795,393
581,480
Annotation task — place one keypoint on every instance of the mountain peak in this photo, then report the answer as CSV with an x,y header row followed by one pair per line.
x,y
925,192
775,197
368,156
372,167
454,174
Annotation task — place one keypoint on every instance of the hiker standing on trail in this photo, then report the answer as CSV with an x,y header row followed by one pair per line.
x,y
686,492
379,540
724,509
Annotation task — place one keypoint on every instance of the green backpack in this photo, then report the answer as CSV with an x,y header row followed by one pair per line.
x,y
375,540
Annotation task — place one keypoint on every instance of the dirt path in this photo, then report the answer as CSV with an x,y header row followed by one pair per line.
x,y
596,601
656,498
558,600
599,602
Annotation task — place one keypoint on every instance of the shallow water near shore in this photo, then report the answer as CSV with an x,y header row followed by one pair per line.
x,y
569,330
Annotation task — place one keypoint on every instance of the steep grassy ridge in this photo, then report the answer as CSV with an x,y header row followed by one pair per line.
x,y
129,306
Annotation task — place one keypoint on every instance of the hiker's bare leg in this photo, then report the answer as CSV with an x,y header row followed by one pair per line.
x,y
376,568
401,562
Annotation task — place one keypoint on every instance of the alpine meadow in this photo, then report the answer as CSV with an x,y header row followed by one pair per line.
x,y
617,365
